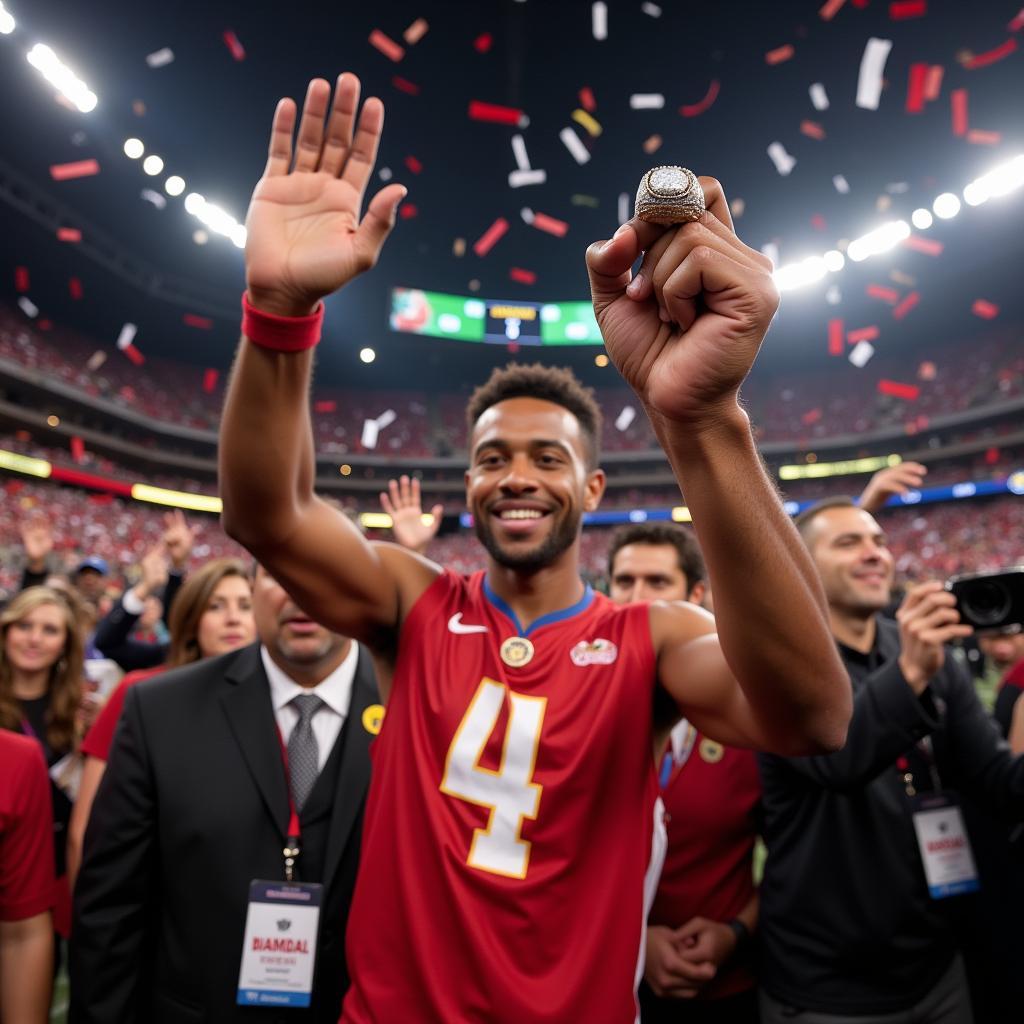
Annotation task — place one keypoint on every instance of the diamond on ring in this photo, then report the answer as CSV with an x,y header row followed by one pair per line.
x,y
669,195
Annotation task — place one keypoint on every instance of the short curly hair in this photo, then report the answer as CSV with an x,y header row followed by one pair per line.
x,y
555,384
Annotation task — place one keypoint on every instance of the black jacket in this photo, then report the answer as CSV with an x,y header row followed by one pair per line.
x,y
847,923
113,633
192,808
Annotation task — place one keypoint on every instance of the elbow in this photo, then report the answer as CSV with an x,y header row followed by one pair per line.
x,y
825,728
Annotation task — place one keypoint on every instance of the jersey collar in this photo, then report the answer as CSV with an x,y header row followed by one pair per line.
x,y
545,620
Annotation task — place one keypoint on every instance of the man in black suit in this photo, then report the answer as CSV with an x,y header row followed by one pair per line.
x,y
195,805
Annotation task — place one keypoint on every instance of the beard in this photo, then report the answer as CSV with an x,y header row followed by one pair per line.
x,y
562,537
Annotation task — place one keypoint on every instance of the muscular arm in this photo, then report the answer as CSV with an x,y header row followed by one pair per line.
x,y
26,969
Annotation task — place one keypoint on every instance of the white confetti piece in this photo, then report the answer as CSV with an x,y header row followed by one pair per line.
x,y
833,295
384,174
623,420
154,197
370,434
818,96
386,418
841,184
517,179
651,10
861,353
160,57
872,66
646,101
571,141
519,152
784,163
624,212
28,307
599,20
127,336
527,214
897,188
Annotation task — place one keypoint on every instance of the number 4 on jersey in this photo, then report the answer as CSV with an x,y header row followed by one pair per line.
x,y
509,793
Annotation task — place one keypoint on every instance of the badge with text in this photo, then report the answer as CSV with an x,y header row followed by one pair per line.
x,y
279,951
945,849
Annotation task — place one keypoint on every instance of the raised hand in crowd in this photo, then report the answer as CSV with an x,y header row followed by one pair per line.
x,y
153,571
37,539
403,503
889,482
178,539
928,620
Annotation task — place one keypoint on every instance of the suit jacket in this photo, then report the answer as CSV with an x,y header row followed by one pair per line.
x,y
192,808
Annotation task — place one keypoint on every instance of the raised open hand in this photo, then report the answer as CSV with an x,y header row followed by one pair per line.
x,y
888,482
684,333
178,538
37,539
305,237
403,503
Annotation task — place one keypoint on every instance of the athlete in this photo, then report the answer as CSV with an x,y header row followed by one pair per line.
x,y
510,819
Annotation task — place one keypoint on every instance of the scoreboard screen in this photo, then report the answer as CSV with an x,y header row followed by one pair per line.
x,y
498,321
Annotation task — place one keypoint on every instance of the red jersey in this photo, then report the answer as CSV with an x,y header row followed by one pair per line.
x,y
511,817
100,737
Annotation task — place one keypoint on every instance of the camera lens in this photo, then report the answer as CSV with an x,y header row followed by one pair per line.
x,y
986,603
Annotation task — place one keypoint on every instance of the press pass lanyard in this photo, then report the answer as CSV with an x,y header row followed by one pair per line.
x,y
292,847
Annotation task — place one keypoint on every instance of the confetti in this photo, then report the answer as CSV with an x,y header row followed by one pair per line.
x,y
127,336
96,360
907,303
587,123
929,246
519,152
862,334
21,279
202,323
77,169
483,245
982,60
623,207
625,418
386,45
812,129
652,144
522,276
819,98
878,291
75,288
543,222
134,355
407,211
986,310
779,54
517,179
1017,23
384,174
900,10
835,338
737,206
160,57
234,45
872,65
646,101
904,279
983,138
69,235
927,370
841,184
493,113
153,197
898,390
810,417
933,82
28,307
833,295
483,42
580,200
210,378
416,31
599,20
459,247
784,163
404,85
325,405
818,222
138,108
958,106
861,353
653,10
695,109
414,165
77,446
587,101
571,141
830,9
915,88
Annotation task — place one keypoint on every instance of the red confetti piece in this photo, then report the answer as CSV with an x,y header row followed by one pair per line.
x,y
929,246
933,82
830,9
325,405
483,42
77,449
898,390
75,288
522,276
695,109
416,31
927,370
835,337
413,164
986,310
779,54
906,305
982,60
134,355
407,211
587,101
810,417
204,323
860,4
903,9
818,222
513,347
915,88
983,138
21,279
69,235
958,103
1017,23
862,334
991,456
483,245
812,129
386,45
879,291
543,222
234,44
405,85
210,378
77,169
44,325
493,113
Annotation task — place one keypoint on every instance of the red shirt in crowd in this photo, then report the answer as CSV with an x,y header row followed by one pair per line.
x,y
27,882
711,818
99,739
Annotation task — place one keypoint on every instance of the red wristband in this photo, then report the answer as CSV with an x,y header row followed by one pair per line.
x,y
281,333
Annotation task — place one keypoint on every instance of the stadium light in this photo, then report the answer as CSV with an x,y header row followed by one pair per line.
x,y
133,148
796,275
174,185
946,206
6,21
152,165
367,355
61,77
882,239
922,219
834,261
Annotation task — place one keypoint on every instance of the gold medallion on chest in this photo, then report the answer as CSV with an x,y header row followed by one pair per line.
x,y
516,651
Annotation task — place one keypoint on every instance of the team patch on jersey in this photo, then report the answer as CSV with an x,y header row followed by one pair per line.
x,y
594,652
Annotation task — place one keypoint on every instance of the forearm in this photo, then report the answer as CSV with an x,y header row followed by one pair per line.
x,y
26,970
749,914
769,604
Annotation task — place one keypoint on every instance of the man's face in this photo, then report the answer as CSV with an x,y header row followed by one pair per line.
x,y
853,560
649,572
90,583
286,631
528,484
1003,651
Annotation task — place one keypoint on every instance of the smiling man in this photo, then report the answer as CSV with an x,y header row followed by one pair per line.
x,y
511,816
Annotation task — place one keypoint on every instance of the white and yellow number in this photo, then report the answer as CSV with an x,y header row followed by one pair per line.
x,y
509,793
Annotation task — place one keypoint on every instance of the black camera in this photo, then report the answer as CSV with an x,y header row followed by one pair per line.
x,y
990,601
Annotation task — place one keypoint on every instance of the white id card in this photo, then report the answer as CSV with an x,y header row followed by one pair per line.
x,y
279,951
945,848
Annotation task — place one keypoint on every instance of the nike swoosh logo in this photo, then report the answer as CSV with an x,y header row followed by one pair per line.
x,y
455,626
